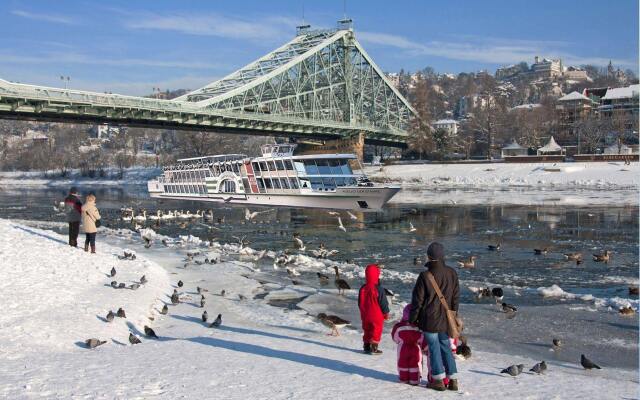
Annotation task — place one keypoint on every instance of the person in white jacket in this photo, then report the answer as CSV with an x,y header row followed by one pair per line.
x,y
90,216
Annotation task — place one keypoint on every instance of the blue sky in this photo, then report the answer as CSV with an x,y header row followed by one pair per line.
x,y
132,46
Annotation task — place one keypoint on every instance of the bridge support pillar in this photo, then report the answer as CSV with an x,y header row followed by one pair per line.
x,y
352,145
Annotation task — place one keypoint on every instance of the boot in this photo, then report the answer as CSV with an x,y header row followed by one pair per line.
x,y
453,385
86,247
374,349
437,385
93,249
367,348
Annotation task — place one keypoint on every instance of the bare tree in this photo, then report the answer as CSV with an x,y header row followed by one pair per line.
x,y
591,131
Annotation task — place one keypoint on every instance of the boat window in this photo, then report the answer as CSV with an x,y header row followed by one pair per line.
x,y
287,165
245,183
316,183
267,183
260,184
263,166
299,167
228,186
279,165
276,183
293,183
329,183
335,167
256,168
340,181
236,168
323,167
272,165
346,168
311,167
284,183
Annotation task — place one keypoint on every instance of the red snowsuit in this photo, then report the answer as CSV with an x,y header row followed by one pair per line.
x,y
411,344
374,308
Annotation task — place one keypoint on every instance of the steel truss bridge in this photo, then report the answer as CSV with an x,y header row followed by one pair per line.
x,y
321,85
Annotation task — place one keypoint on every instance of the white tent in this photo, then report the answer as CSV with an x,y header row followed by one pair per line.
x,y
551,147
513,149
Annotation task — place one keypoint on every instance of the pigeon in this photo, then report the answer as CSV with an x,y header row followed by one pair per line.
x,y
588,364
242,297
149,332
110,316
202,302
93,343
180,284
513,370
143,280
114,284
205,316
509,308
217,322
164,310
223,292
134,286
121,285
539,368
113,272
557,342
120,313
175,299
199,289
133,339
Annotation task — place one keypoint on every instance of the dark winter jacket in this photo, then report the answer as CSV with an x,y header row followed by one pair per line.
x,y
426,310
372,300
73,208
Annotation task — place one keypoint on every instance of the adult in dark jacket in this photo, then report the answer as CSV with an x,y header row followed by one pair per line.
x,y
430,315
374,309
73,209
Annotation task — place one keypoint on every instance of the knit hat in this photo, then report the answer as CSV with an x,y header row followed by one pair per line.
x,y
435,251
73,190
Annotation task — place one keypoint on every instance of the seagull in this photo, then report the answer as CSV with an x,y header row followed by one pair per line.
x,y
217,322
352,216
164,310
299,243
120,313
334,213
133,339
340,226
249,216
588,364
341,284
205,316
411,227
513,370
539,368
113,272
93,343
334,322
149,332
110,316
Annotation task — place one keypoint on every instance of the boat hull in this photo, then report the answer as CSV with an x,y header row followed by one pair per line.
x,y
348,198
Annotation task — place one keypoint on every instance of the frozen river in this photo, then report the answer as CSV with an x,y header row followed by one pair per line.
x,y
581,310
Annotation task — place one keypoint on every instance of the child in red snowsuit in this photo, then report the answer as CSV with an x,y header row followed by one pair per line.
x,y
374,309
411,345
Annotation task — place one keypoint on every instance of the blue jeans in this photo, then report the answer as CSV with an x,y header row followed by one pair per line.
x,y
440,356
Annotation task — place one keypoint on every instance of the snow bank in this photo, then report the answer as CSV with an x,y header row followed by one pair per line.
x,y
131,176
54,296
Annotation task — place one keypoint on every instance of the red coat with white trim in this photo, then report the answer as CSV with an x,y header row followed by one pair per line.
x,y
373,304
411,344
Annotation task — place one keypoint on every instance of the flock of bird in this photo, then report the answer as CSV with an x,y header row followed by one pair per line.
x,y
541,367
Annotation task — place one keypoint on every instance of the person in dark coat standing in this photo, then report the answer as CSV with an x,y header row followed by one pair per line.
x,y
374,309
429,314
73,209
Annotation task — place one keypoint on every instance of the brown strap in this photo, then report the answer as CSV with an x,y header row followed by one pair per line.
x,y
442,299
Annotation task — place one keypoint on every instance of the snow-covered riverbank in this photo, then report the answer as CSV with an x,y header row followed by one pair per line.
x,y
130,176
54,297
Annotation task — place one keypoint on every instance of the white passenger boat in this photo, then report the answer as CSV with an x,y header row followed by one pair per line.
x,y
278,178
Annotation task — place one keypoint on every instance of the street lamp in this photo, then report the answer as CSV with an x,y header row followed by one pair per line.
x,y
62,78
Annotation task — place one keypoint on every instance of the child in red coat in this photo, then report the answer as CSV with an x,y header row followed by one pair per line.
x,y
374,309
411,345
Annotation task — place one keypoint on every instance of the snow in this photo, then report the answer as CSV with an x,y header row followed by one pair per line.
x,y
131,176
514,183
573,96
622,93
54,298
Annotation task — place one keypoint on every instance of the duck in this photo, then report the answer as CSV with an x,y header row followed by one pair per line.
x,y
627,310
324,279
341,284
634,290
492,247
468,263
604,257
540,251
334,322
573,256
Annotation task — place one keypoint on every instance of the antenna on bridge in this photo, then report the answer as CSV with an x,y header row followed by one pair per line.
x,y
304,28
345,23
